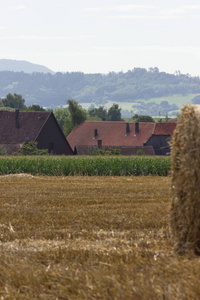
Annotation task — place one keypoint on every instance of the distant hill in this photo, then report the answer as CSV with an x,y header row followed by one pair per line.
x,y
22,66
138,91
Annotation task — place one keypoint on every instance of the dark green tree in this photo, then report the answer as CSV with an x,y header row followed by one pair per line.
x,y
62,115
14,101
114,113
77,115
98,113
141,118
35,107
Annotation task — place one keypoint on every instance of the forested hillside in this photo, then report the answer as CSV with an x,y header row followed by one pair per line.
x,y
136,87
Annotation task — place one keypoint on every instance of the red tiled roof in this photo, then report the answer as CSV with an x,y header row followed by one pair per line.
x,y
114,133
30,124
164,128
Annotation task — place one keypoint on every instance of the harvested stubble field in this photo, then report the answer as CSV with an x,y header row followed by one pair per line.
x,y
90,238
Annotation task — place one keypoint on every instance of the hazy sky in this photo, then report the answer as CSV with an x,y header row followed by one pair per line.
x,y
99,36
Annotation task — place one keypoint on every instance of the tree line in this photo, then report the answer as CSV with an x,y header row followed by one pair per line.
x,y
68,118
73,115
16,101
52,90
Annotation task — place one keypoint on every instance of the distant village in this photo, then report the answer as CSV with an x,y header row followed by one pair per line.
x,y
67,131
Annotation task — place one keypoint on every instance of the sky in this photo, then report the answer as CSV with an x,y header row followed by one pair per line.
x,y
102,36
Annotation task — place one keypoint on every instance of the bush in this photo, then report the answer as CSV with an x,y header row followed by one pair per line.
x,y
92,151
3,151
115,151
140,152
30,148
111,151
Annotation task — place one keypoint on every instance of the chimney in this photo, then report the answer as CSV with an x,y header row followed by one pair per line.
x,y
17,118
95,133
136,128
127,128
99,144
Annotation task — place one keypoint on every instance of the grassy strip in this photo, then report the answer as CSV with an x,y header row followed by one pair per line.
x,y
84,165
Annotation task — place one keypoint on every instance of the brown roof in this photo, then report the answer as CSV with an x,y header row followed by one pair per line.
x,y
30,124
113,133
164,128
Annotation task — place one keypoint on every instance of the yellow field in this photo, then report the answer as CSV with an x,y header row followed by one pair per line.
x,y
90,238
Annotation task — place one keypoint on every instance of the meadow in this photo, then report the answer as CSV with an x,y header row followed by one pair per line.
x,y
178,99
90,237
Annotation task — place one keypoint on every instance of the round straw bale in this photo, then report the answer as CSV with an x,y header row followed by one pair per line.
x,y
185,156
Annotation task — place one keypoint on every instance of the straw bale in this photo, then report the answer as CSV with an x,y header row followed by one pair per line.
x,y
185,155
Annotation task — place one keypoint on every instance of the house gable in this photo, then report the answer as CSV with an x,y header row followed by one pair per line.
x,y
16,127
160,144
52,138
160,138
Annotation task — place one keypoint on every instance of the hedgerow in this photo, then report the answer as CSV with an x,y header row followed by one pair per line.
x,y
85,165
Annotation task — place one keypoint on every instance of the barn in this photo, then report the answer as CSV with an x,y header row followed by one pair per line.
x,y
151,138
42,127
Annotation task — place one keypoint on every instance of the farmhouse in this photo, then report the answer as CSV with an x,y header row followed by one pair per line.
x,y
17,127
151,138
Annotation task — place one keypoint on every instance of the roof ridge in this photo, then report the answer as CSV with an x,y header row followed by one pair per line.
x,y
154,127
102,121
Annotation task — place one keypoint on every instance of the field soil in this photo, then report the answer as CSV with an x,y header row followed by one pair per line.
x,y
90,238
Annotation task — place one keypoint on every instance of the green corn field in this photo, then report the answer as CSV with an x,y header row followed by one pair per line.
x,y
86,165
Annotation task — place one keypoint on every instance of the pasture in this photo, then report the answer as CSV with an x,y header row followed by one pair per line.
x,y
80,237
